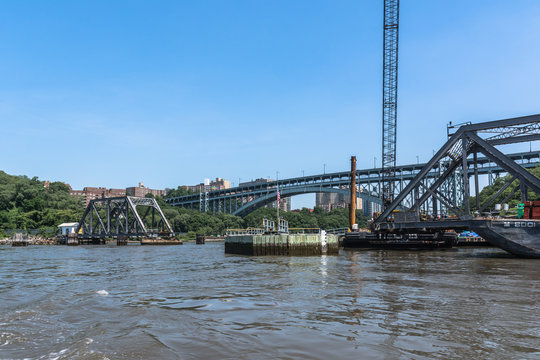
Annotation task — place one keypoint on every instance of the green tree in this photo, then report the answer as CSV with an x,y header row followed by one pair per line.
x,y
179,191
490,190
25,203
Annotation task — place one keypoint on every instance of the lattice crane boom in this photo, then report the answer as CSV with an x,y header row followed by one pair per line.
x,y
390,72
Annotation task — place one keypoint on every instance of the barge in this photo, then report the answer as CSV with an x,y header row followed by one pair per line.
x,y
407,241
520,237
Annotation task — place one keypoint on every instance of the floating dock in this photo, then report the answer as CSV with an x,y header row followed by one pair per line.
x,y
282,244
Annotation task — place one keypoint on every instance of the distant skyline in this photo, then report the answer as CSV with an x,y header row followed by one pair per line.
x,y
100,93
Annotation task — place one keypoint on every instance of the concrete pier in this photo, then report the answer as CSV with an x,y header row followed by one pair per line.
x,y
282,244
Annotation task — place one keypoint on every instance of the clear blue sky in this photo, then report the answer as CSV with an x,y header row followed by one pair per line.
x,y
109,93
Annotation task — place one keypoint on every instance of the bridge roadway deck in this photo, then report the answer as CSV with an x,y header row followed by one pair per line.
x,y
368,180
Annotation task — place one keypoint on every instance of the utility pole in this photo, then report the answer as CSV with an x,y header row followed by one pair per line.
x,y
352,187
390,72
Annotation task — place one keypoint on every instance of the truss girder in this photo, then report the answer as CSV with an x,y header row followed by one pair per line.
x,y
114,217
454,155
506,163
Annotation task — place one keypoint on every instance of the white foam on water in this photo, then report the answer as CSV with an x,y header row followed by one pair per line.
x,y
9,338
102,292
57,355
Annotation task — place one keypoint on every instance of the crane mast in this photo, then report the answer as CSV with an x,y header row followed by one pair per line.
x,y
390,72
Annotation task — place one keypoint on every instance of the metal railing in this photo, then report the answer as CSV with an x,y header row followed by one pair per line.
x,y
268,225
283,226
248,231
260,231
304,231
337,231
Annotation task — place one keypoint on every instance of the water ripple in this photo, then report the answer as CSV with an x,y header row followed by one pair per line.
x,y
191,302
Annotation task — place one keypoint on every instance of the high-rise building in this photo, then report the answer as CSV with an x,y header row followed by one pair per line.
x,y
284,204
330,201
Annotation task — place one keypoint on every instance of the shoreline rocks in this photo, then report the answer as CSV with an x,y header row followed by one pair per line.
x,y
32,240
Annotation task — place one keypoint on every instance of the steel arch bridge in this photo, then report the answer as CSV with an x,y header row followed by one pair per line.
x,y
292,191
242,200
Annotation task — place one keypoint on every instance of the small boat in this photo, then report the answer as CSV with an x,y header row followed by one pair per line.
x,y
470,238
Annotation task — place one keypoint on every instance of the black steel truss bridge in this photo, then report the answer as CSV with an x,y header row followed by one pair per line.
x,y
426,203
123,217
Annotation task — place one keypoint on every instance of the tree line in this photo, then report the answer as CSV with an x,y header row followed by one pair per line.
x,y
25,203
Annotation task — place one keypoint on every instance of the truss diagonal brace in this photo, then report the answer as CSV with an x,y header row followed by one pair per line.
x,y
99,218
421,174
506,163
164,219
136,214
442,178
442,199
497,194
509,196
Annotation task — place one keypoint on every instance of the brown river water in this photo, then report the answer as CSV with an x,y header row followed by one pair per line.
x,y
195,302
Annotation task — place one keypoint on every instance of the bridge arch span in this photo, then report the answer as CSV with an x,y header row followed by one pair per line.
x,y
271,197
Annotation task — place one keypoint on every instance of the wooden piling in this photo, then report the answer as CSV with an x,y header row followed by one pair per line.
x,y
200,239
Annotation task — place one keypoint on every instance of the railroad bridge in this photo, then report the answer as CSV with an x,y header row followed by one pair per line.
x,y
242,200
123,217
